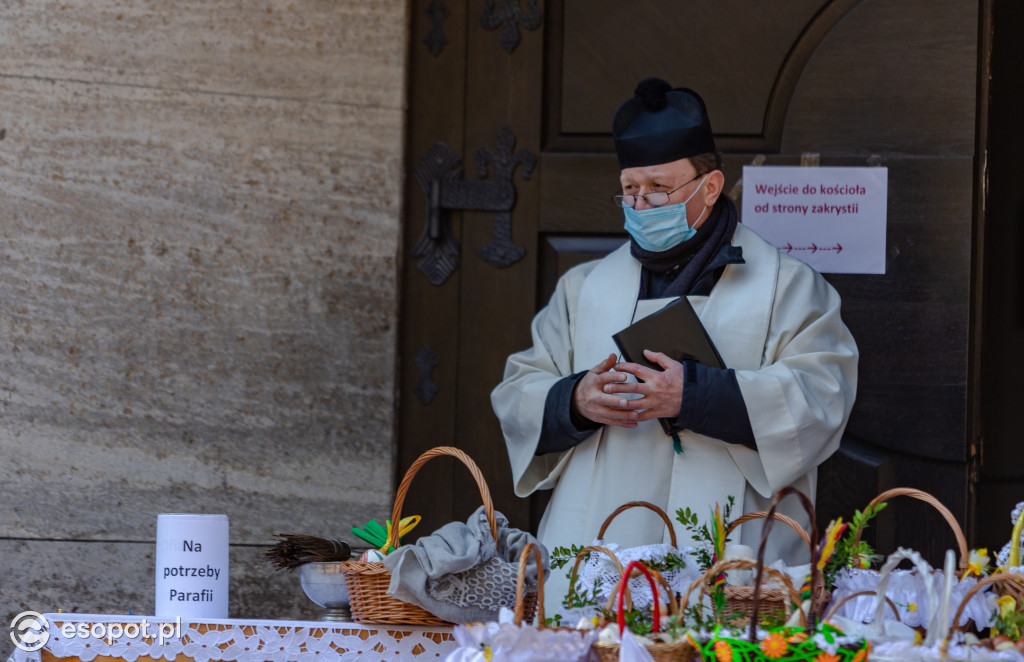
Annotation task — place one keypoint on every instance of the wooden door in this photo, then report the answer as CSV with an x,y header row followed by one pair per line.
x,y
867,82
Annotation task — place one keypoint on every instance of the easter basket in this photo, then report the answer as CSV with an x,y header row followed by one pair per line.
x,y
739,599
790,602
578,608
911,585
681,650
369,581
801,638
891,636
1008,584
517,640
949,643
604,573
793,643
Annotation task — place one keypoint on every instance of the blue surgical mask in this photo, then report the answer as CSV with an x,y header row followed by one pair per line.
x,y
660,228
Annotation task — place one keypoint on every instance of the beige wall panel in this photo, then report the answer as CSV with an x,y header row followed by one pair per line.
x,y
198,301
325,50
198,290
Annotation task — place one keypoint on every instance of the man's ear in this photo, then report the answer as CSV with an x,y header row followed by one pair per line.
x,y
713,186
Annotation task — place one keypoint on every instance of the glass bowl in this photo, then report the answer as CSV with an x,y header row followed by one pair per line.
x,y
324,584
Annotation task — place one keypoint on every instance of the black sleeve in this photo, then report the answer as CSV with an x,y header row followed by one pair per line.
x,y
713,405
563,428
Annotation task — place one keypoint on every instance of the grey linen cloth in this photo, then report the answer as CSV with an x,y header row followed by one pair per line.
x,y
459,574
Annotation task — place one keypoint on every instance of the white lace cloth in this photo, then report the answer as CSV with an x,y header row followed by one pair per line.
x,y
243,641
905,651
505,642
908,591
598,571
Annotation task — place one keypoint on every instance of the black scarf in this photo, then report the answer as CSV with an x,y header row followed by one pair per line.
x,y
693,255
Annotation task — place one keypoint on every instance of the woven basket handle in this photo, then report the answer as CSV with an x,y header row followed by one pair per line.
x,y
779,517
403,488
921,495
739,564
1009,578
609,554
669,601
885,573
620,592
640,504
834,607
524,559
769,521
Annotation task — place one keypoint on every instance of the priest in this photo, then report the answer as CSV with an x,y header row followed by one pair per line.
x,y
579,421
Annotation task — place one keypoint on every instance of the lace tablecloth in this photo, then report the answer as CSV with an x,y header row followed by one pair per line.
x,y
123,637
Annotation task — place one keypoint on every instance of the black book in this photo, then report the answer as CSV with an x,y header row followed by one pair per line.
x,y
675,331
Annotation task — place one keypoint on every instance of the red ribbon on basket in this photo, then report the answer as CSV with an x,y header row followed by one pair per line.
x,y
656,626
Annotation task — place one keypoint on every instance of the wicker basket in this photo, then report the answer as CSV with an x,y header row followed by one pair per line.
x,y
640,504
792,596
607,522
741,600
526,601
607,552
530,601
368,581
961,541
678,651
834,607
1010,583
868,578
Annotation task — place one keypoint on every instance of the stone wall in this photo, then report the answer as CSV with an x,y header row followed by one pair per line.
x,y
199,222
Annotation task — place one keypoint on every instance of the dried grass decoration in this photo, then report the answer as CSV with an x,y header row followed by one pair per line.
x,y
293,550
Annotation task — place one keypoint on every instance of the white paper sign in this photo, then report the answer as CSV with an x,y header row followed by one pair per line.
x,y
832,218
192,565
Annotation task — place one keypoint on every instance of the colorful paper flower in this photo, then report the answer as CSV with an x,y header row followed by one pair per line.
x,y
774,646
833,533
978,562
718,541
723,651
1007,605
827,657
719,534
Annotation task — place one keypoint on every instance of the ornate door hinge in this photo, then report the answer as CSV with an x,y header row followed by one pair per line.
x,y
509,17
435,39
440,176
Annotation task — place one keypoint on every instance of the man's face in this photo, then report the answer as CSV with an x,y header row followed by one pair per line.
x,y
679,177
